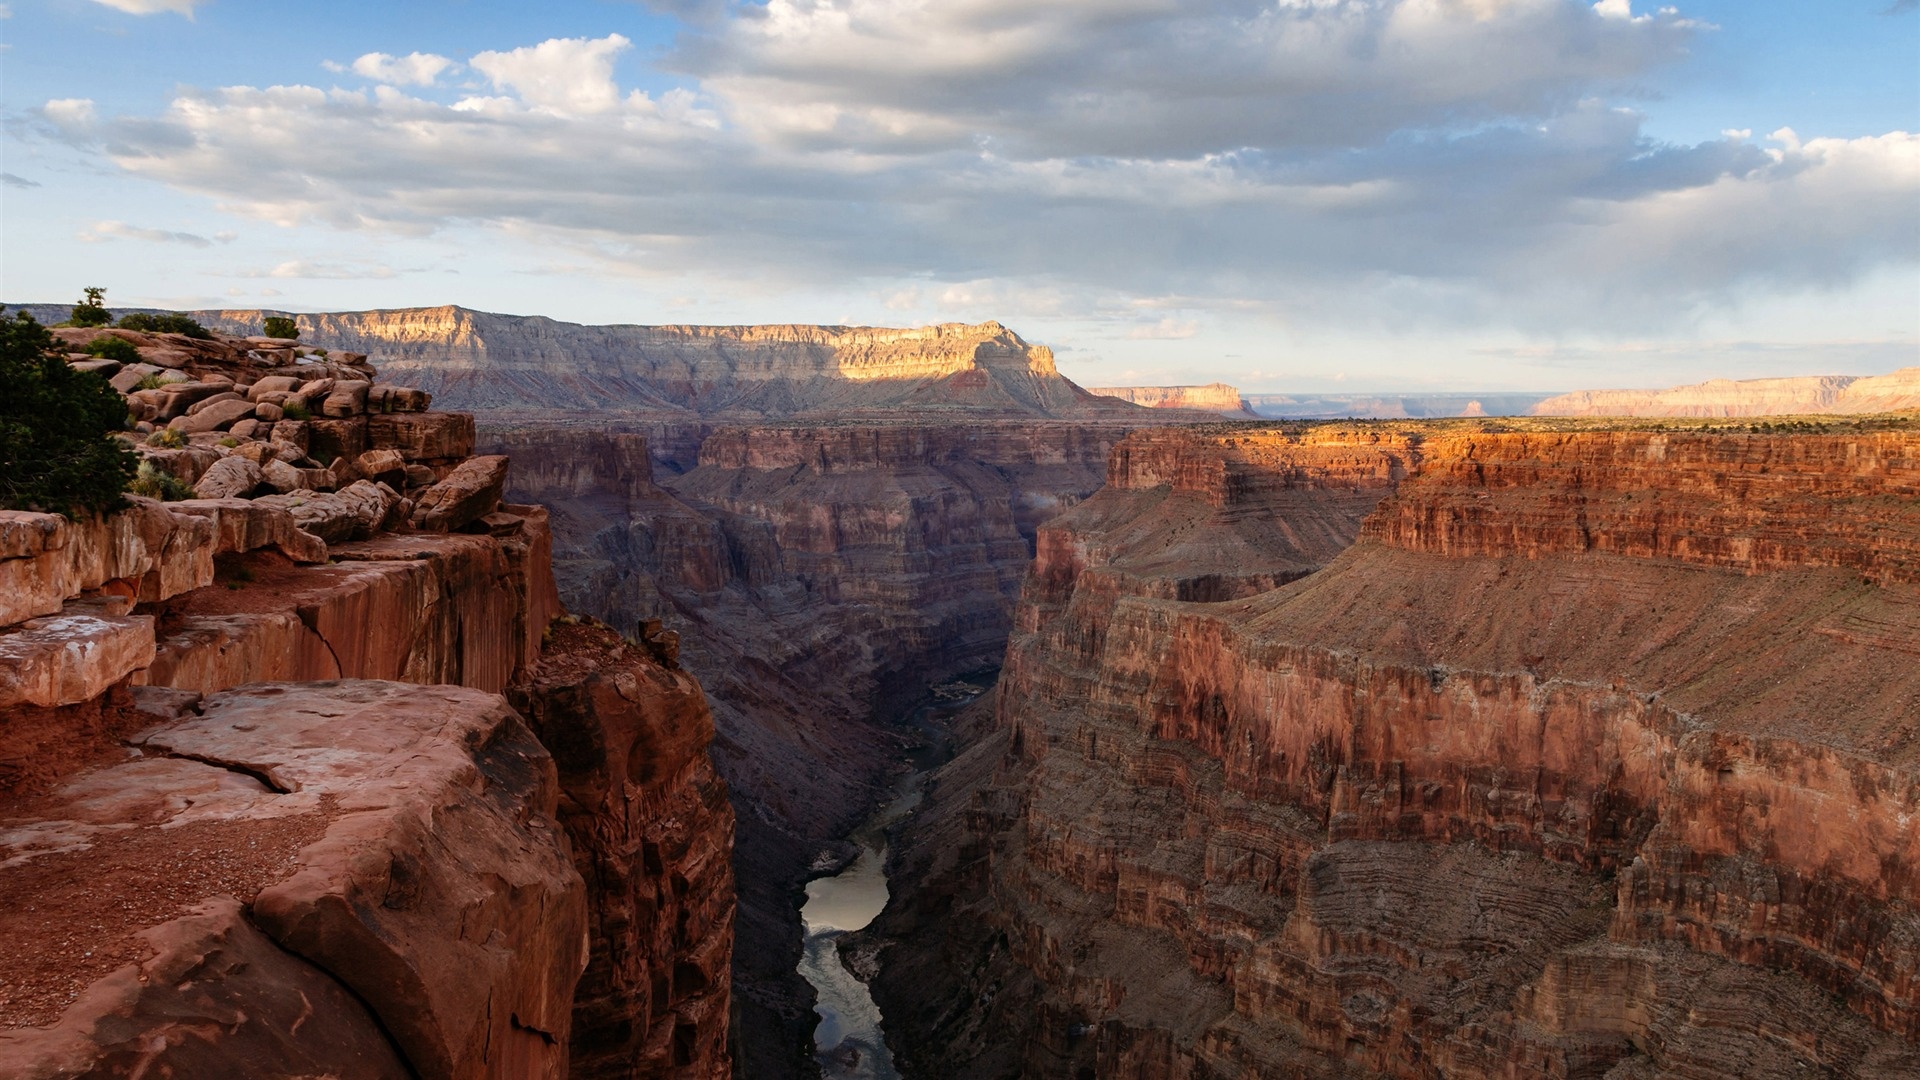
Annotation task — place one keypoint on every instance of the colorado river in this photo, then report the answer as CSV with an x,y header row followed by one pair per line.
x,y
849,1042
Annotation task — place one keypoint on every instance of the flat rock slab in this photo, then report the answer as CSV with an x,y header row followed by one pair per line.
x,y
387,850
69,658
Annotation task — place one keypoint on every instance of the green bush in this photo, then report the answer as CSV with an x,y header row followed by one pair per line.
x,y
57,450
157,484
295,409
164,323
279,326
113,348
167,438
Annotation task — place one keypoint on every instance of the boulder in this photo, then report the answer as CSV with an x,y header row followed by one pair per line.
x,y
227,478
281,476
131,374
384,465
272,384
345,399
251,524
66,659
105,368
244,428
268,412
293,433
469,492
355,512
214,417
422,436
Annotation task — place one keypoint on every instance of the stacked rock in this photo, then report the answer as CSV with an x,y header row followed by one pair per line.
x,y
303,429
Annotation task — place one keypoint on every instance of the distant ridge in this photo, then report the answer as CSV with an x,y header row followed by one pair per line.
x,y
539,367
1211,397
1749,397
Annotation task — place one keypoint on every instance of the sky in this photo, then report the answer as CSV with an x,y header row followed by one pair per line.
x,y
1287,195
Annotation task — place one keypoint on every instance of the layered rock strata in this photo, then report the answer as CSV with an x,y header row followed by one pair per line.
x,y
264,811
1749,397
1592,756
1212,397
483,361
818,576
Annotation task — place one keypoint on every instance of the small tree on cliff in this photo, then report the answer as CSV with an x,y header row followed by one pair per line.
x,y
279,326
57,450
91,311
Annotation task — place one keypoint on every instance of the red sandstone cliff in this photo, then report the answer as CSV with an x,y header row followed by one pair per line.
x,y
1593,755
818,575
264,811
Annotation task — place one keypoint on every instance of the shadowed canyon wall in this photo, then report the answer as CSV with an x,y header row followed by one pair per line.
x,y
1593,755
820,577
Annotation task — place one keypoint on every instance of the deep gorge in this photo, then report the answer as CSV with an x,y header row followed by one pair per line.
x,y
1471,748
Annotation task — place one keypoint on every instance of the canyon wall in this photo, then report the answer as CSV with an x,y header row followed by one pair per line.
x,y
531,366
819,578
1749,397
1213,397
1592,755
264,810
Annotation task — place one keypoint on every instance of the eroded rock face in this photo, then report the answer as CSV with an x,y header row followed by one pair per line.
x,y
476,360
817,575
652,834
1543,775
420,886
1213,397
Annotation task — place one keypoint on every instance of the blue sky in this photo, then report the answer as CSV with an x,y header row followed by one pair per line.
x,y
1282,194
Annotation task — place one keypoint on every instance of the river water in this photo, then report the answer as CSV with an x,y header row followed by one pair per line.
x,y
849,1042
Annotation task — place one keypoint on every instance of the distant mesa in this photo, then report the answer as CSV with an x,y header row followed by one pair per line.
x,y
1749,397
1390,406
479,361
1213,397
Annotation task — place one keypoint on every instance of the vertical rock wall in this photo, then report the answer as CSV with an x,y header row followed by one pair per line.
x,y
1592,756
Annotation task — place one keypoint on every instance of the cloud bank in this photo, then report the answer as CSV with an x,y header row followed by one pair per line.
x,y
1396,162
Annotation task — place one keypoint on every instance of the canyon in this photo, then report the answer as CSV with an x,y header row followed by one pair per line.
x,y
1440,750
1575,747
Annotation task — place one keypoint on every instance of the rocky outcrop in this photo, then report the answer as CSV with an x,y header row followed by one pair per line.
x,y
652,834
1802,395
349,824
1591,756
264,811
477,360
1213,398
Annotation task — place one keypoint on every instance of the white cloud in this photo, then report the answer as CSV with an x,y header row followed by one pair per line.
x,y
569,76
1393,163
413,69
69,113
1167,329
152,7
312,270
120,230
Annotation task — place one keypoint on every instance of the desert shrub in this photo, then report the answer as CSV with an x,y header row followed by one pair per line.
x,y
57,450
295,409
107,347
151,382
279,326
167,438
166,322
159,484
